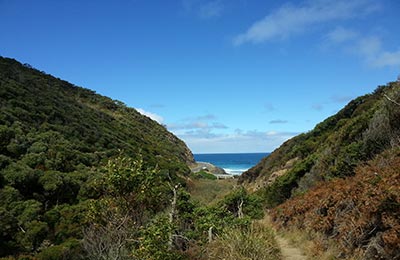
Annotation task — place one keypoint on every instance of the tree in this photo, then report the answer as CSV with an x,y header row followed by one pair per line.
x,y
131,195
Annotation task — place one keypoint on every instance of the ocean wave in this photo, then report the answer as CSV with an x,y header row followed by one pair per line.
x,y
235,171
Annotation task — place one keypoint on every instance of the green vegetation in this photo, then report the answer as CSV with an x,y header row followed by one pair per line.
x,y
204,175
254,242
365,127
56,140
85,177
207,191
339,183
280,190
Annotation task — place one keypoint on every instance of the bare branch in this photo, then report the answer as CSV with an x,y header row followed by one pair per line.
x,y
391,100
210,234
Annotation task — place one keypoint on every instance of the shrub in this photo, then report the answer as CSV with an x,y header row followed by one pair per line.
x,y
204,175
254,242
250,204
281,189
360,213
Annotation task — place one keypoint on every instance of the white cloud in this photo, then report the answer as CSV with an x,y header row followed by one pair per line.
x,y
197,125
340,35
387,59
369,48
204,123
290,20
237,141
204,134
153,116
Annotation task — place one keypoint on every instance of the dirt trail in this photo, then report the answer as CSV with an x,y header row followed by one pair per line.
x,y
289,252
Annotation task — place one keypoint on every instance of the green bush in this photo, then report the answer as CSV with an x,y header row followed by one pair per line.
x,y
252,205
281,189
204,175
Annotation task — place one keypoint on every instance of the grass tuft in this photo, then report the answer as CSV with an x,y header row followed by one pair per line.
x,y
255,242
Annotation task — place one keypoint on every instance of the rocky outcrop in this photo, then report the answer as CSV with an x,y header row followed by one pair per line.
x,y
208,167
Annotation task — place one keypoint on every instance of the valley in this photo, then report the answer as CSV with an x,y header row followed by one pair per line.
x,y
83,176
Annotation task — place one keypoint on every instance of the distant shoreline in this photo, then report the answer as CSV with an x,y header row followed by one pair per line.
x,y
231,163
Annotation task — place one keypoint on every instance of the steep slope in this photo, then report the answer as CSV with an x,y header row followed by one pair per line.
x,y
365,127
360,215
35,105
54,137
340,180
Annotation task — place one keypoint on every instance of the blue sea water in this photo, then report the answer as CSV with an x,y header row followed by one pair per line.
x,y
232,163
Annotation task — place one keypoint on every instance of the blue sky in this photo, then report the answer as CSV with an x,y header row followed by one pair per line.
x,y
224,75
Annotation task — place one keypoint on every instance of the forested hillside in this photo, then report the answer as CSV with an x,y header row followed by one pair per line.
x,y
56,142
331,182
85,177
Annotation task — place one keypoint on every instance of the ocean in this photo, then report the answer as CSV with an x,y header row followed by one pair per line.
x,y
232,163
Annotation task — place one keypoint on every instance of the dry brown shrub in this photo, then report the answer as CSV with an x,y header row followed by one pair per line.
x,y
361,213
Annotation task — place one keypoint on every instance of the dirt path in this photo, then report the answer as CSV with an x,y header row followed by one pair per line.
x,y
289,252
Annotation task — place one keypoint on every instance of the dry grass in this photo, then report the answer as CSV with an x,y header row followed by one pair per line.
x,y
316,246
209,191
312,244
256,242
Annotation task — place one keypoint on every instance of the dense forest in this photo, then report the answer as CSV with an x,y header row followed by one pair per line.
x,y
83,176
56,139
330,181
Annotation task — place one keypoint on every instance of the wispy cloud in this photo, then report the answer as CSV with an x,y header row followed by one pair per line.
x,y
202,123
278,121
211,9
153,116
340,35
206,117
371,50
204,133
387,59
239,140
290,20
368,47
205,9
317,107
197,125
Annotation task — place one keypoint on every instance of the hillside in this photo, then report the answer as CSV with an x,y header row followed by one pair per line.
x,y
365,127
357,217
85,177
55,140
91,126
341,178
